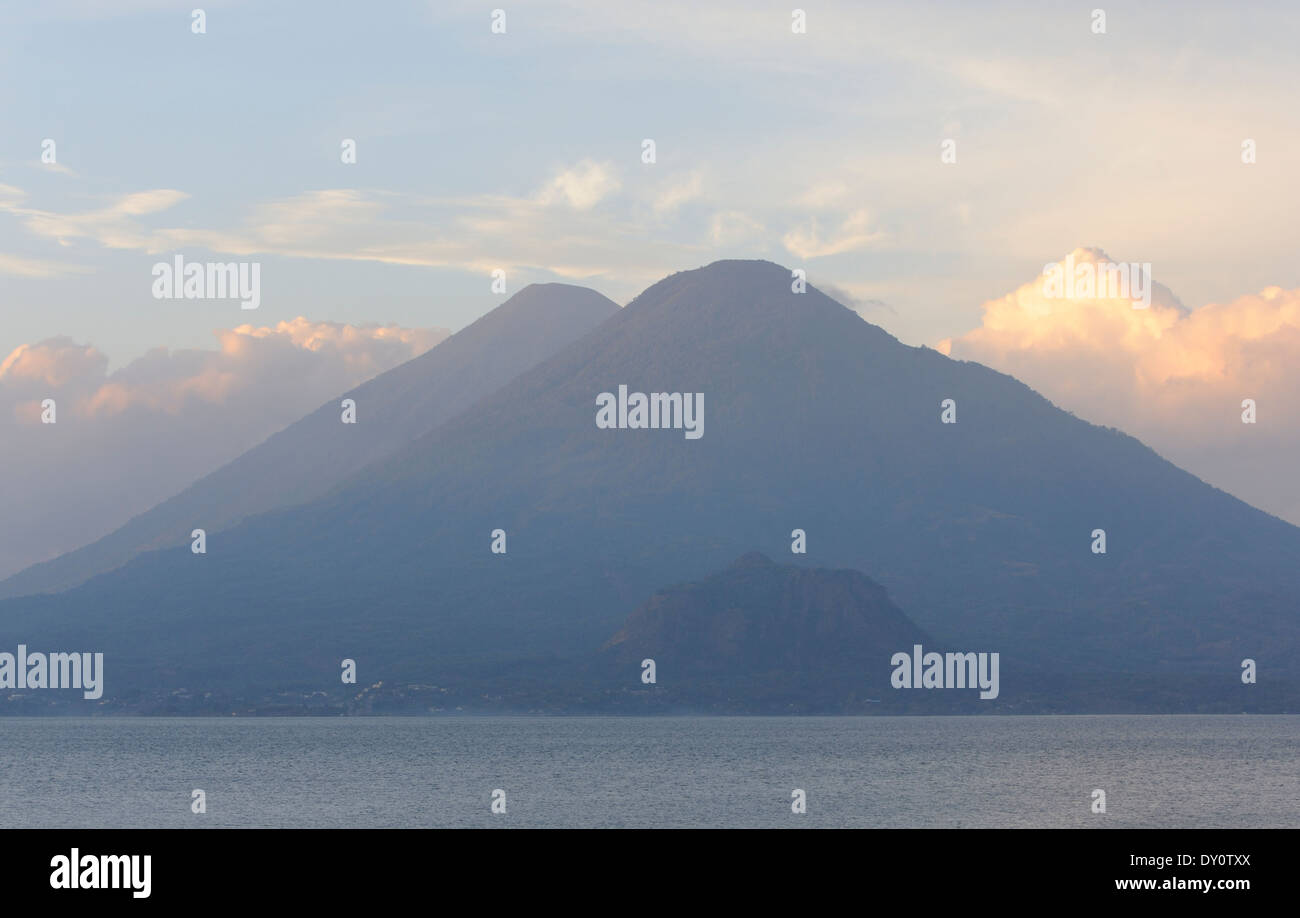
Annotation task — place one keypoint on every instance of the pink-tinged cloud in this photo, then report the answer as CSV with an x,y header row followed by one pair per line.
x,y
123,441
1175,378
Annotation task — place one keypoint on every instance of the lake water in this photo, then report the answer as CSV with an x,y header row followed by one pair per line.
x,y
1157,771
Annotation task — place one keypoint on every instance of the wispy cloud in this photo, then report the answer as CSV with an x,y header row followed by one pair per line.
x,y
574,225
854,232
22,266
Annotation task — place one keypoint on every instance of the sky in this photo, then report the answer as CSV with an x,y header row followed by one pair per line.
x,y
522,150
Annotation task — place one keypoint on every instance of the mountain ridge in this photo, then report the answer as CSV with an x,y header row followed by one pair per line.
x,y
306,459
815,419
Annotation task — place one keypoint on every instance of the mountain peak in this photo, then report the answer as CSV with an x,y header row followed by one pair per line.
x,y
552,295
730,273
545,288
737,292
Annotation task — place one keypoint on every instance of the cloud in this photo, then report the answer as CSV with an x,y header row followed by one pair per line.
x,y
56,168
296,363
679,192
1175,378
825,194
126,440
20,266
732,227
557,228
867,307
58,365
113,226
806,240
582,187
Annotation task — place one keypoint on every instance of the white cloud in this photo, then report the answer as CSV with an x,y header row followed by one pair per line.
x,y
733,227
20,266
679,192
806,240
558,228
582,187
1174,378
825,194
114,226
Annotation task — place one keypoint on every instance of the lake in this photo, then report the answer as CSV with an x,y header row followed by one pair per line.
x,y
1156,771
